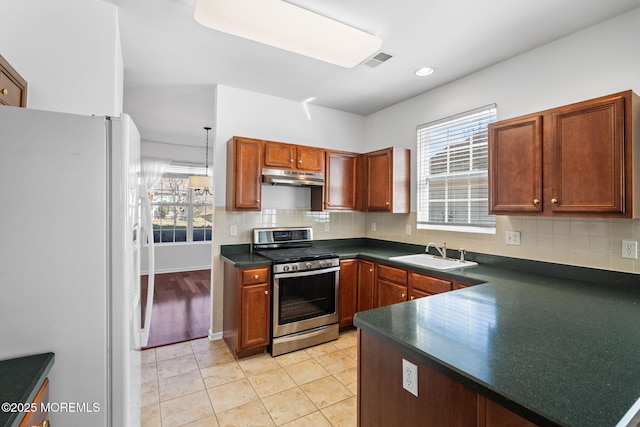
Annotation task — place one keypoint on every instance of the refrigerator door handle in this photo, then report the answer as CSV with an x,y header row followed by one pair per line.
x,y
148,237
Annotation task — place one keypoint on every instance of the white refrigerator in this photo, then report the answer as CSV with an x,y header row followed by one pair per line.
x,y
70,236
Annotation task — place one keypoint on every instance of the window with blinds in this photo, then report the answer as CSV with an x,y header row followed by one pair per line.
x,y
453,188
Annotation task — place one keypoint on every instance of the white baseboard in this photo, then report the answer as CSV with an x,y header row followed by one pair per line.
x,y
214,336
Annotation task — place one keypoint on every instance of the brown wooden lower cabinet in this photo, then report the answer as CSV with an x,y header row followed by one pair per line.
x,y
441,401
366,280
38,417
247,306
348,291
391,285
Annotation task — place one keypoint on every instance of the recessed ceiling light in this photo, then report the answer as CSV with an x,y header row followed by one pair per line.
x,y
289,27
424,71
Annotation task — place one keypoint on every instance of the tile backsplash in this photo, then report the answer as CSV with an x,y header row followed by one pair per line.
x,y
583,242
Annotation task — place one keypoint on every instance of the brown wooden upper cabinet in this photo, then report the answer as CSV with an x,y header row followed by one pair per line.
x,y
13,88
386,180
288,156
244,174
341,181
576,160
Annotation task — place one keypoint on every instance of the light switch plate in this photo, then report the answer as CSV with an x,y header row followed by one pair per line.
x,y
512,237
233,230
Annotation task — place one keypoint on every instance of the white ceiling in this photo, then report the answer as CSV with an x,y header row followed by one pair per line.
x,y
168,57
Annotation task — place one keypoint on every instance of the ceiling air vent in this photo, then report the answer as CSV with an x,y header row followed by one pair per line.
x,y
377,59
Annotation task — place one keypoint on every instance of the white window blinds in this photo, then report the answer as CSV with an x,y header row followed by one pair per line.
x,y
452,170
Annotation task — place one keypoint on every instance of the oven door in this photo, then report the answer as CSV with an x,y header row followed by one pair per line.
x,y
304,300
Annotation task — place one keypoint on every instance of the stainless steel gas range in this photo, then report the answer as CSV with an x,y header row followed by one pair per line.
x,y
305,282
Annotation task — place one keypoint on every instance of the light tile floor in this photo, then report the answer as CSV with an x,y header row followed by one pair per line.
x,y
199,384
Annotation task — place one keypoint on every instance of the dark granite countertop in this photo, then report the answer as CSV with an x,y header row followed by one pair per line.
x,y
20,380
557,344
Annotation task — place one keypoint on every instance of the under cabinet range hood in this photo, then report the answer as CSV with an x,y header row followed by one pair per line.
x,y
292,178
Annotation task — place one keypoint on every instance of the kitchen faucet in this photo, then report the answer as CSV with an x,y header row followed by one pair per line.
x,y
442,250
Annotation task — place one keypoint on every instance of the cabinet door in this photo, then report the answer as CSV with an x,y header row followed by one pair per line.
x,y
378,181
255,316
309,158
341,180
348,291
389,293
515,166
366,279
490,414
279,155
588,152
247,175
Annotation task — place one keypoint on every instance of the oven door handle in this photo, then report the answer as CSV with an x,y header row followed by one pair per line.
x,y
306,273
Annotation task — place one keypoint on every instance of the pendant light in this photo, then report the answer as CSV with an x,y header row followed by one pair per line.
x,y
202,184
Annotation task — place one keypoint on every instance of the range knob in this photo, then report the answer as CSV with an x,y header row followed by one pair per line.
x,y
308,265
294,267
285,268
321,264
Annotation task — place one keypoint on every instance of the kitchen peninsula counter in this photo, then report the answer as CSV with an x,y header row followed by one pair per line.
x,y
556,344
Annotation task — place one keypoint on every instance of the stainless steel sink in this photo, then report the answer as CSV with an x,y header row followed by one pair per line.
x,y
430,261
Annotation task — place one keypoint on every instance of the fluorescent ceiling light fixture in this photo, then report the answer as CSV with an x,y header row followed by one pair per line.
x,y
289,27
424,71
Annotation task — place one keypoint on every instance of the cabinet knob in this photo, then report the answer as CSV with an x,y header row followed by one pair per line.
x,y
290,160
386,203
45,423
258,201
403,295
256,277
371,270
554,201
266,292
536,201
412,297
4,91
300,161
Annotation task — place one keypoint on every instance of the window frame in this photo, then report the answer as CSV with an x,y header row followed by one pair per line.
x,y
182,171
464,123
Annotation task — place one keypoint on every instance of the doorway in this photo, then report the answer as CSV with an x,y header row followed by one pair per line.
x,y
181,309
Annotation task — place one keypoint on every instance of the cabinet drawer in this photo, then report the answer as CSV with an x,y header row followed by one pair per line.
x,y
392,274
255,275
13,88
430,284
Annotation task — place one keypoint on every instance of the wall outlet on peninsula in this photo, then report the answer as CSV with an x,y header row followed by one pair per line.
x,y
410,377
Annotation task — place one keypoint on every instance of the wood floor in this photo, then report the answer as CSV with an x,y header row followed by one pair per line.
x,y
181,309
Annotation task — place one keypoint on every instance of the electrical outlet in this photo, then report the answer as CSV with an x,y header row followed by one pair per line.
x,y
326,226
233,230
407,230
630,249
410,377
373,226
512,237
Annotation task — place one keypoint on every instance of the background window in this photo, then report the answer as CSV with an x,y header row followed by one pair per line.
x,y
178,214
453,185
